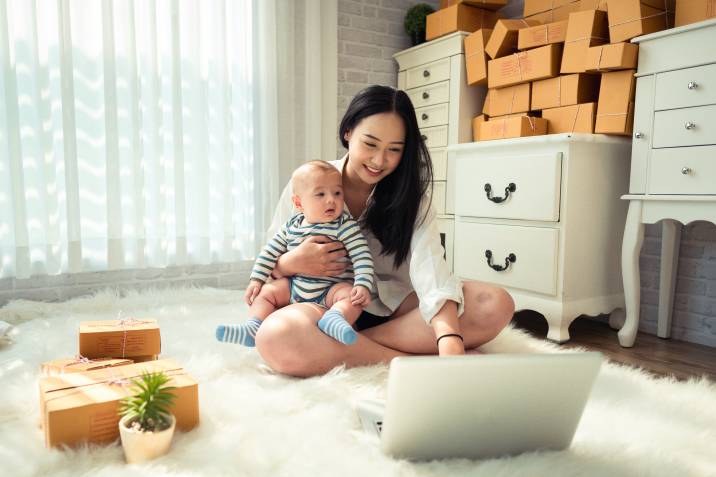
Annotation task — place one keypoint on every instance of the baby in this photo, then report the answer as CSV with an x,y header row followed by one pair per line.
x,y
318,196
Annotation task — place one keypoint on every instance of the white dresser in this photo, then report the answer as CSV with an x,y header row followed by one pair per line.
x,y
673,172
433,75
542,217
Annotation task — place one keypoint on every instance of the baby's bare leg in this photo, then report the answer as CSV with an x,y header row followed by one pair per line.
x,y
337,322
339,298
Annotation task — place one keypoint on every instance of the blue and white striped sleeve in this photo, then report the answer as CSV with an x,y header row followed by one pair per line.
x,y
357,247
266,261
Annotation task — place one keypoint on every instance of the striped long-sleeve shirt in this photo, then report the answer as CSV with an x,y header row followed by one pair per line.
x,y
344,229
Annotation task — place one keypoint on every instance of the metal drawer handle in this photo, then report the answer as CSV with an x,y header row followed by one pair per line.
x,y
690,125
638,135
426,73
424,116
511,187
425,95
692,85
511,258
686,171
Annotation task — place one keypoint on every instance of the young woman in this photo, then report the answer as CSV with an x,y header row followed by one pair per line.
x,y
418,306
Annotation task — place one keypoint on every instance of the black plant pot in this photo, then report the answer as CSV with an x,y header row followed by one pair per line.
x,y
417,37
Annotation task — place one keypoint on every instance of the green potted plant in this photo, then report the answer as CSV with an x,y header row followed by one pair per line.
x,y
146,427
415,22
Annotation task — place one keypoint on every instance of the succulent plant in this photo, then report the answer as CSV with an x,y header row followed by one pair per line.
x,y
148,407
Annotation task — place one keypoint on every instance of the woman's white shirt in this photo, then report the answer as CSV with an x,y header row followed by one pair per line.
x,y
424,271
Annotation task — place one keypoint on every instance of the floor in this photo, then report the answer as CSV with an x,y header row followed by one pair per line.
x,y
660,356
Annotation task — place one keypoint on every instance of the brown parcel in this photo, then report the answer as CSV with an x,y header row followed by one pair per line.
x,y
119,338
585,29
578,118
458,18
510,100
476,123
503,40
593,5
530,65
76,365
614,56
532,7
692,11
519,126
564,91
541,35
615,111
557,15
475,58
631,18
486,4
82,407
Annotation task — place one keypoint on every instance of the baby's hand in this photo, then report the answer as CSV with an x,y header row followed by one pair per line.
x,y
252,291
360,296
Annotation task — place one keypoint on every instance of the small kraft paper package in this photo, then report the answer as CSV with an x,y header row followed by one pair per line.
x,y
615,110
123,338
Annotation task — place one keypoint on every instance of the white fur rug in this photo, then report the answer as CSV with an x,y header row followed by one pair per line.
x,y
257,423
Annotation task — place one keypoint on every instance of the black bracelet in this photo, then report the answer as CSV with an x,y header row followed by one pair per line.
x,y
449,334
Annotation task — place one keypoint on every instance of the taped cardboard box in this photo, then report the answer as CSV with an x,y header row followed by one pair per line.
x,y
615,110
578,118
540,35
612,57
530,65
584,30
557,15
565,91
459,17
476,123
518,126
83,407
119,338
509,100
486,4
80,364
692,11
532,7
593,5
475,57
144,359
503,40
631,18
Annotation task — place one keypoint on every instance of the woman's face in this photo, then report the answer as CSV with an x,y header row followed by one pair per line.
x,y
375,146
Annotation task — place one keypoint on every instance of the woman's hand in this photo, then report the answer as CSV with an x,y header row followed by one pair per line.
x,y
252,291
360,296
317,256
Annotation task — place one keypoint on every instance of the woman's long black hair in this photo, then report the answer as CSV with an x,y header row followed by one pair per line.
x,y
392,212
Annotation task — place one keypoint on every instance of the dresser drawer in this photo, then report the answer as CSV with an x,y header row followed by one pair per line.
x,y
685,127
535,250
439,190
536,180
435,115
439,158
685,88
428,73
430,94
435,136
684,170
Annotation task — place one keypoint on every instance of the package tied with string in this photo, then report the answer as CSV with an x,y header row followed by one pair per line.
x,y
123,338
525,66
615,110
564,90
503,40
512,127
484,4
475,57
540,35
584,30
631,18
506,101
578,118
612,57
546,11
83,407
458,17
80,364
692,11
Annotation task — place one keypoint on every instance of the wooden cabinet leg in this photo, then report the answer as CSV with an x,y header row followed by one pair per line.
x,y
670,240
631,246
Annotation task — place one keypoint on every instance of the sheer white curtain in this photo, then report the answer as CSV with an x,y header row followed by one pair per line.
x,y
135,133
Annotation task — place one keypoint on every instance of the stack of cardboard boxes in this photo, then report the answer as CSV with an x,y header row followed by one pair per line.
x,y
567,66
79,397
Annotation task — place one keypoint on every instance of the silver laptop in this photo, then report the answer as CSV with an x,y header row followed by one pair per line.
x,y
481,406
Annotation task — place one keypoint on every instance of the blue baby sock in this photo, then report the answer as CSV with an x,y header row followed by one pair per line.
x,y
335,325
242,334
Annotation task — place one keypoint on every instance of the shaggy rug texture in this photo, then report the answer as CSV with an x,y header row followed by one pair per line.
x,y
255,422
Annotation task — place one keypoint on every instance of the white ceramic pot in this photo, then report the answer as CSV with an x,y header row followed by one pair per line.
x,y
143,446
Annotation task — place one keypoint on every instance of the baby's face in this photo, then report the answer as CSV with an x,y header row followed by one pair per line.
x,y
321,197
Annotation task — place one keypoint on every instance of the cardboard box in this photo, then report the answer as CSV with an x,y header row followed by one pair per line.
x,y
119,338
475,58
80,364
692,11
476,123
615,111
593,5
532,7
631,18
540,35
557,15
510,100
144,359
459,17
503,40
578,118
584,30
565,91
82,407
486,4
519,126
614,56
530,65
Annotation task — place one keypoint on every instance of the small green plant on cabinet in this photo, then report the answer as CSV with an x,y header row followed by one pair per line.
x,y
415,22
